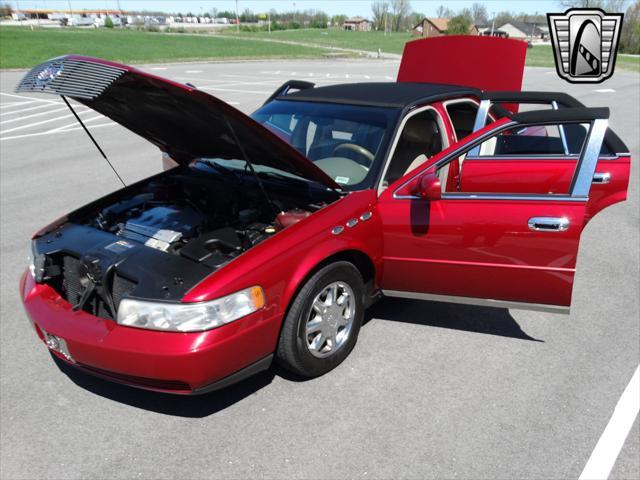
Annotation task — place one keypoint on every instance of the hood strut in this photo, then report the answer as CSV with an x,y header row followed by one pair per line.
x,y
92,139
255,174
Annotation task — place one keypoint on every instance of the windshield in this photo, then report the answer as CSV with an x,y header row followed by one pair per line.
x,y
345,141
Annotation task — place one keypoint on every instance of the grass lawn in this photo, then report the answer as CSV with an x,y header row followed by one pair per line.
x,y
21,47
372,41
537,56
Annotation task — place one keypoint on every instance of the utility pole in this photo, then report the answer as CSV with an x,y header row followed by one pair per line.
x,y
237,18
269,21
70,11
493,23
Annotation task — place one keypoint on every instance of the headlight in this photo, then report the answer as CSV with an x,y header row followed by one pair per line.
x,y
190,317
30,259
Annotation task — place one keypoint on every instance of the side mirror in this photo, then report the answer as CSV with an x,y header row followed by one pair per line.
x,y
428,187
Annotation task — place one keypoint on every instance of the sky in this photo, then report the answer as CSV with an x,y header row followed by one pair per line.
x,y
332,7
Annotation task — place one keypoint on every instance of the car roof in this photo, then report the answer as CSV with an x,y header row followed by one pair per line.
x,y
380,94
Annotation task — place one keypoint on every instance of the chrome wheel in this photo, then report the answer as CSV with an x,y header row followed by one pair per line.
x,y
330,319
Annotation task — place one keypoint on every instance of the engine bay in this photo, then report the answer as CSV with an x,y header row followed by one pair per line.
x,y
158,238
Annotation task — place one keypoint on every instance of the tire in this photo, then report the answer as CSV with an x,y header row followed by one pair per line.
x,y
299,347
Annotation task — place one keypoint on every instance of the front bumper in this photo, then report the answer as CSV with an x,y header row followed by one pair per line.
x,y
183,363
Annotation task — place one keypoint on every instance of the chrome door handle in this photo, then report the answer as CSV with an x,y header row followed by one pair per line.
x,y
601,177
548,224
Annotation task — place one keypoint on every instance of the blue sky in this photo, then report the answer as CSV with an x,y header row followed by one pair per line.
x,y
332,7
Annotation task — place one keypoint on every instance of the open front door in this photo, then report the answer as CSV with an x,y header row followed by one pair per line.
x,y
514,247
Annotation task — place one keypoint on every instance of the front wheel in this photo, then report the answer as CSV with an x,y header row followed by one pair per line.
x,y
322,325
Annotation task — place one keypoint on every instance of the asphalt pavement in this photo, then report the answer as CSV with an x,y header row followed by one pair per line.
x,y
432,390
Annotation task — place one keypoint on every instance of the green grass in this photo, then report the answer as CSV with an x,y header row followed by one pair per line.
x,y
21,47
537,56
371,41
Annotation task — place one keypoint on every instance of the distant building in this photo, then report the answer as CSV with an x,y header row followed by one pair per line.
x,y
524,30
357,23
434,27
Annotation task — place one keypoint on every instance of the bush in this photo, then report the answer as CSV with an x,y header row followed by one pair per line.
x,y
108,23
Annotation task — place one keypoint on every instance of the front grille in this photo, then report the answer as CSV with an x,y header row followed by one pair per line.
x,y
71,288
120,287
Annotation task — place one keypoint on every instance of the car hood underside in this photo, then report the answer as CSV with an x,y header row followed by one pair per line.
x,y
181,120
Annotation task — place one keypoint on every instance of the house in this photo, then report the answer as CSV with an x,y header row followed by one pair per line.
x,y
524,30
434,27
357,23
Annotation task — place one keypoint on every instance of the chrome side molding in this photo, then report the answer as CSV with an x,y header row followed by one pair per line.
x,y
482,302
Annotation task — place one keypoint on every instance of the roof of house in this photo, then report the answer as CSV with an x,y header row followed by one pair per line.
x,y
356,20
381,94
525,27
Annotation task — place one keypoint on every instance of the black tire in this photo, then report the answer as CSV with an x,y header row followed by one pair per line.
x,y
293,353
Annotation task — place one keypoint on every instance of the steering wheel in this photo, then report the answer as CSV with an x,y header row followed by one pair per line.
x,y
355,148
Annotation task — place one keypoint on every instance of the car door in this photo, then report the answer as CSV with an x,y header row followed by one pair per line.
x,y
513,248
543,159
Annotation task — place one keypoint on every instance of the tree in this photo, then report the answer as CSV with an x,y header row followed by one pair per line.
x,y
108,23
606,5
503,17
338,20
379,10
479,14
444,12
5,10
459,25
630,34
400,10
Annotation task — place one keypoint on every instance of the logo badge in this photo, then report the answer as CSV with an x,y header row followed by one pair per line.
x,y
48,74
585,43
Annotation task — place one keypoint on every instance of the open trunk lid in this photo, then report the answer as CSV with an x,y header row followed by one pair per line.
x,y
181,120
487,63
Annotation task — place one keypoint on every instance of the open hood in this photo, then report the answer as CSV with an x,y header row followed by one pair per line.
x,y
181,120
487,63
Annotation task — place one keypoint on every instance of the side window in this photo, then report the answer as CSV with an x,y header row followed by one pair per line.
x,y
463,116
520,160
421,138
535,140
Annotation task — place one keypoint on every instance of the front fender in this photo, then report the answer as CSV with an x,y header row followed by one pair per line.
x,y
281,264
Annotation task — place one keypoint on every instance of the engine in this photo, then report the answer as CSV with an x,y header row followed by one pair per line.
x,y
159,238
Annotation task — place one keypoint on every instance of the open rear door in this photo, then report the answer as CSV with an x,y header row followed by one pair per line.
x,y
486,63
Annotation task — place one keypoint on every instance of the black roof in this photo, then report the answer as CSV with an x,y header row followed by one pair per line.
x,y
380,94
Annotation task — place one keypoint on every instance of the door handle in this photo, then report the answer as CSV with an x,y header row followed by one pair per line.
x,y
548,224
601,177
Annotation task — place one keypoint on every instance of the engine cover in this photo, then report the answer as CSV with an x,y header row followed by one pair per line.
x,y
160,227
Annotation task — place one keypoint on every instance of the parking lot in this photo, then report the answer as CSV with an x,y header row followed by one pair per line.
x,y
431,389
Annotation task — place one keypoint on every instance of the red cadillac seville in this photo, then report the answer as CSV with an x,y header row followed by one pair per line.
x,y
273,233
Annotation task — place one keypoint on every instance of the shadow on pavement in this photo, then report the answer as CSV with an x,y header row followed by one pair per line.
x,y
487,320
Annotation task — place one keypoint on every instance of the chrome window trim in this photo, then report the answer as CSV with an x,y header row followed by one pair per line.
x,y
483,302
445,139
583,176
480,122
563,137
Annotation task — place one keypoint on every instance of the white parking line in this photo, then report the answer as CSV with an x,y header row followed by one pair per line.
x,y
30,125
13,120
214,88
612,440
158,68
49,132
605,90
29,98
37,107
193,71
74,124
13,104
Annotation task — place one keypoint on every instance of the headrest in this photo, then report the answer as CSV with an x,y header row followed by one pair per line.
x,y
419,128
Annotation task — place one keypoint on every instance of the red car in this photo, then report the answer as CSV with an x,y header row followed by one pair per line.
x,y
274,233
